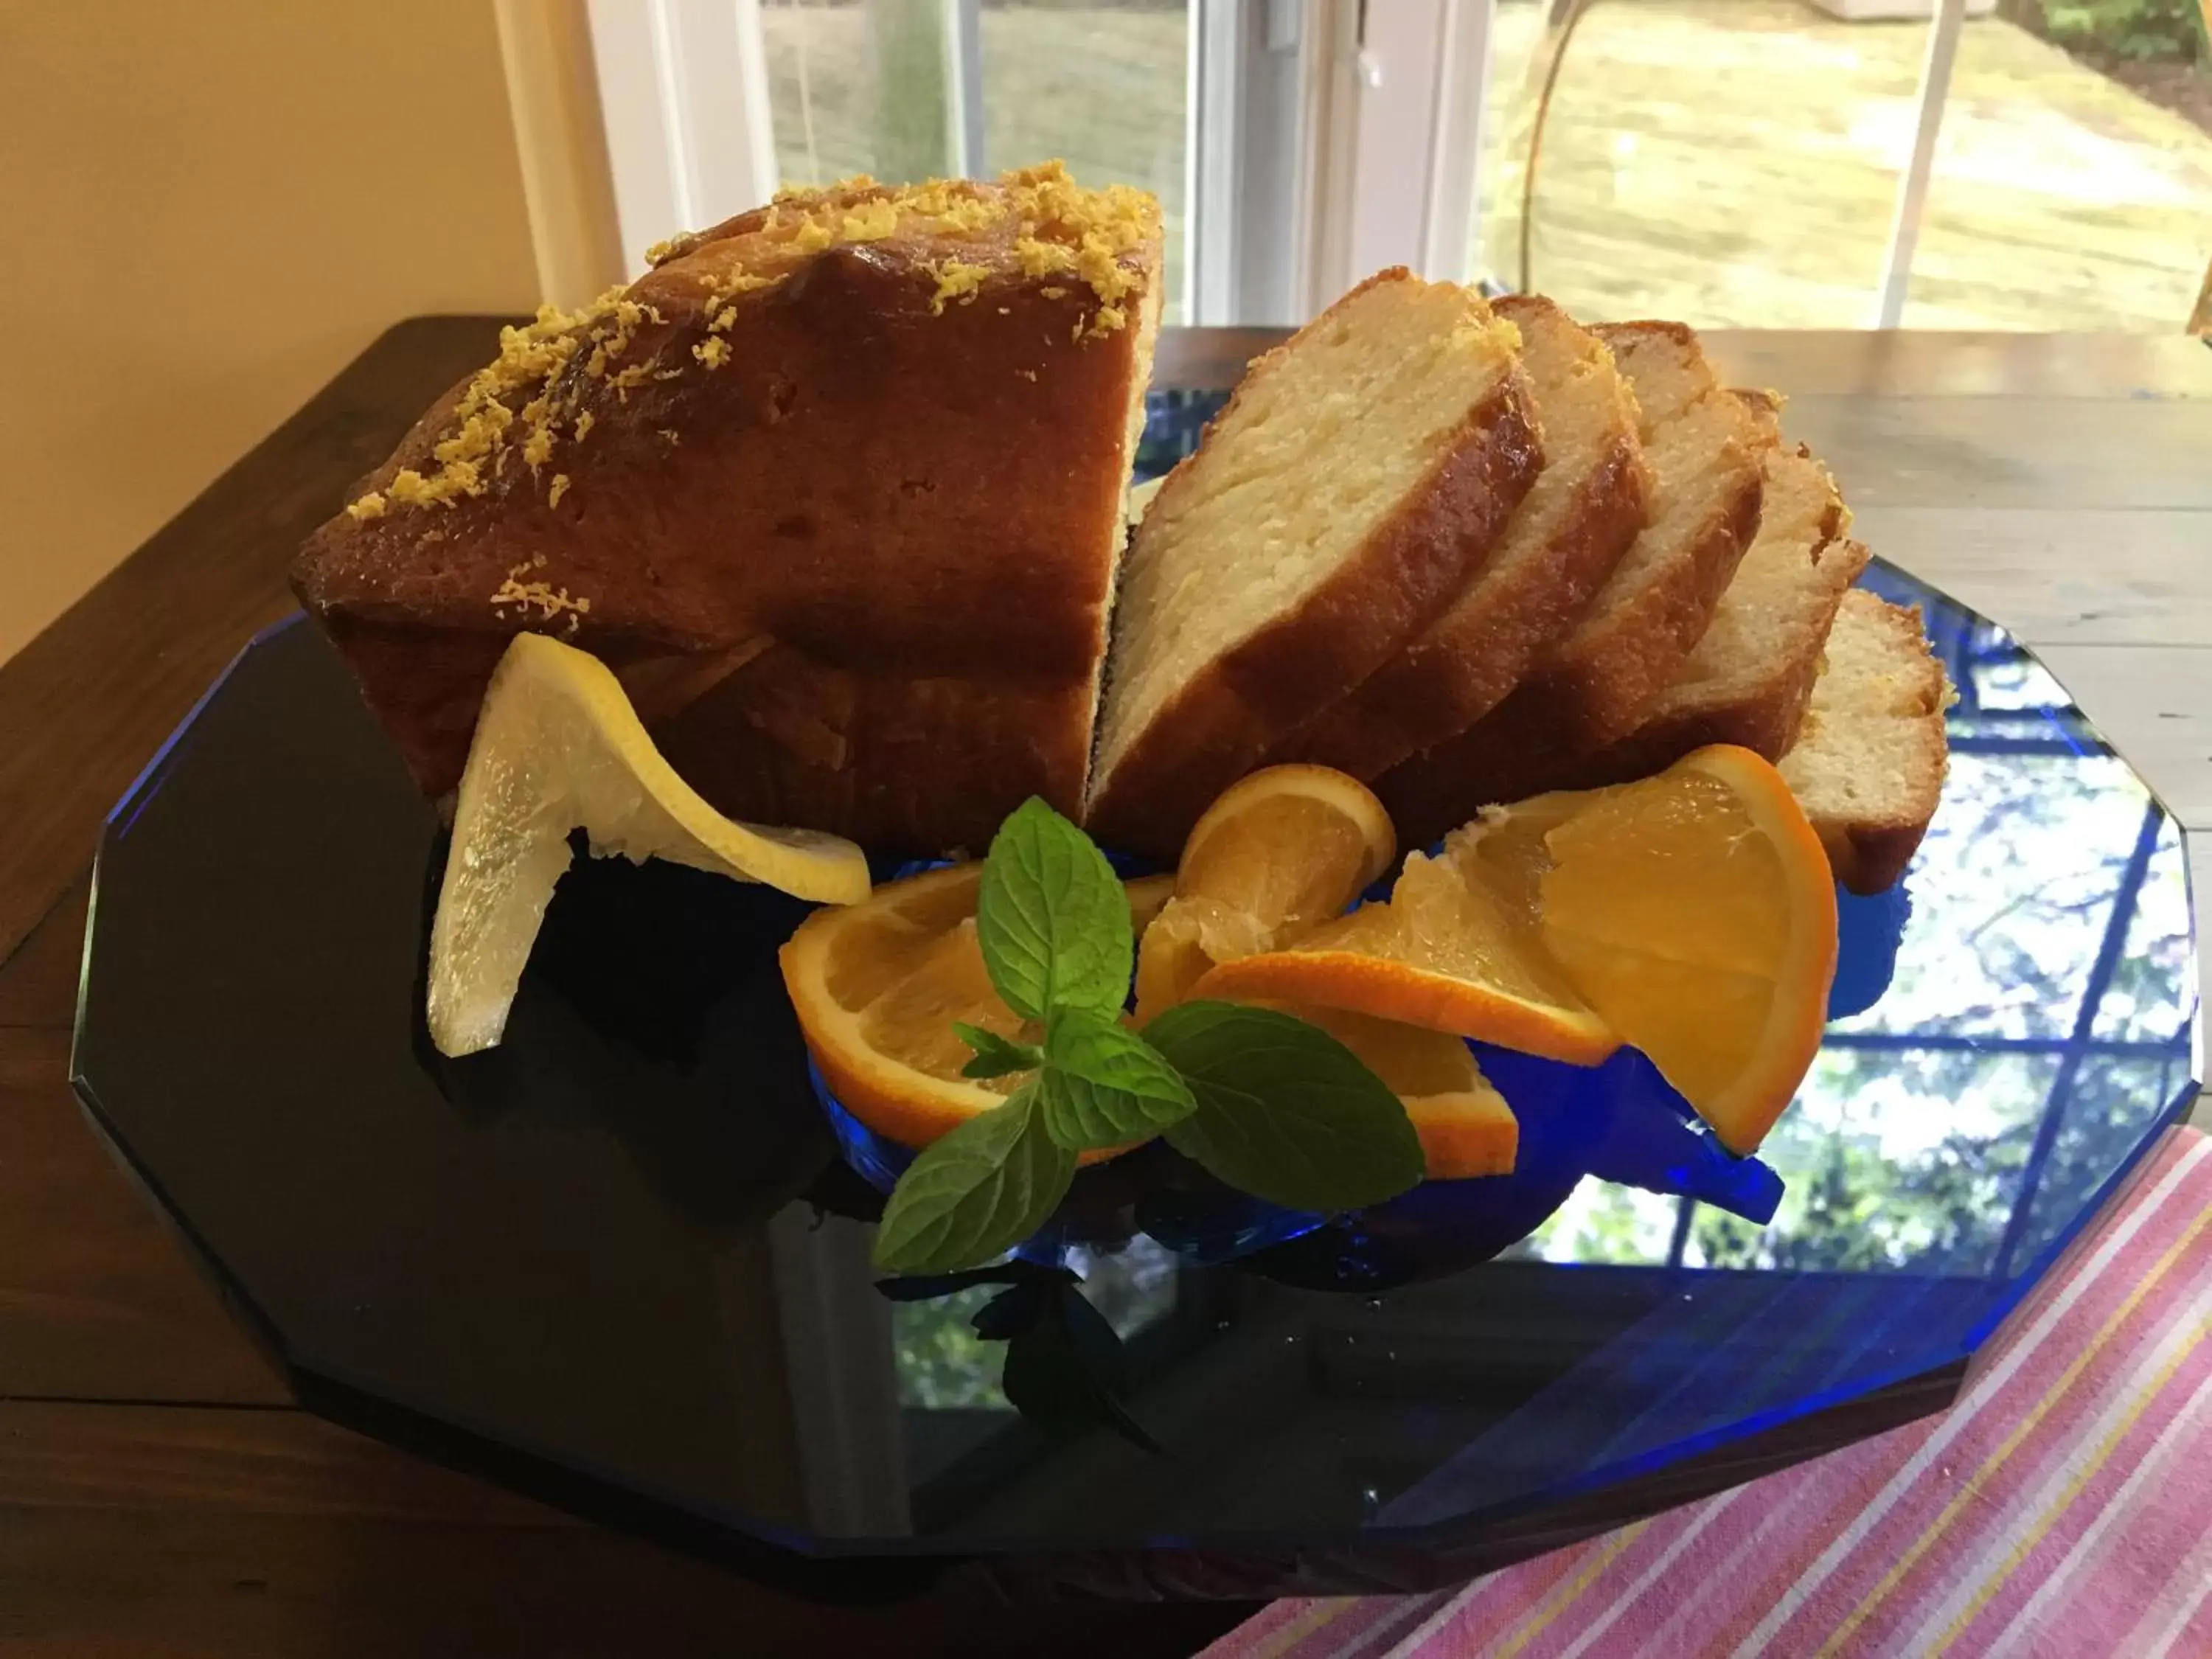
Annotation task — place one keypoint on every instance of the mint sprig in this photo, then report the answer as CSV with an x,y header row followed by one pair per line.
x,y
1052,917
976,1192
995,1056
1285,1112
1268,1102
1104,1086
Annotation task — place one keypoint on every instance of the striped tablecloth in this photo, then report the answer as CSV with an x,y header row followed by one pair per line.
x,y
2063,1506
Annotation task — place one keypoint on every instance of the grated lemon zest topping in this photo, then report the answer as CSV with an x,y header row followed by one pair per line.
x,y
957,279
1051,227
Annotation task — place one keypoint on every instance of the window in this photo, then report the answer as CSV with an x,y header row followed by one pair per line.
x,y
1750,162
905,89
1770,163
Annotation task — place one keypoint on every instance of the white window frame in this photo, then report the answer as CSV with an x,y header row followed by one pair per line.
x,y
1912,184
1327,138
683,96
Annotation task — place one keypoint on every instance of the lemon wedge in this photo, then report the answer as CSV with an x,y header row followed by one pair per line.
x,y
557,748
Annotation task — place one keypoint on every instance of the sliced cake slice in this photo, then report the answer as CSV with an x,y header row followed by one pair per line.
x,y
1584,511
1704,446
1748,681
1870,759
1337,504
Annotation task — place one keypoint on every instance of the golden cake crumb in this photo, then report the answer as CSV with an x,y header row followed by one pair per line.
x,y
712,353
371,505
560,488
585,422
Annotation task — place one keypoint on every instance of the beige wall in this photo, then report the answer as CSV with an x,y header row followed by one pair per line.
x,y
206,208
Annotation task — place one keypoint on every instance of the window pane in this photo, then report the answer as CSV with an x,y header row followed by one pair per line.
x,y
1101,86
2073,178
822,90
1721,162
1736,162
869,87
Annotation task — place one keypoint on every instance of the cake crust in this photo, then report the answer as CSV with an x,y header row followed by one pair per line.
x,y
898,762
868,438
1508,614
1219,725
1750,677
1871,756
1599,684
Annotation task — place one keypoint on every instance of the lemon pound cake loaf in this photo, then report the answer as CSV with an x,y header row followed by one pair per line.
x,y
1584,511
1364,469
835,488
1870,759
1602,680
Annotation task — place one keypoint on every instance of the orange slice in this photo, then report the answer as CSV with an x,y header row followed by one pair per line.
x,y
878,985
1445,952
1276,856
1691,913
1696,913
1465,1128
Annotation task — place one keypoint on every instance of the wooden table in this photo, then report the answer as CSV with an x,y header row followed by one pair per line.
x,y
158,1493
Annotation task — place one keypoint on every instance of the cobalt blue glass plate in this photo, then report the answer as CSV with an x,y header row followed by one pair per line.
x,y
621,1262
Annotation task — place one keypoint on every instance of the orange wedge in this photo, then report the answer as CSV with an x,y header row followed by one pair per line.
x,y
1692,915
1445,952
1277,855
878,985
1696,913
1465,1126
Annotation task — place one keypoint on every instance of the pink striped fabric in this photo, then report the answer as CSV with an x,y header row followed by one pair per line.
x,y
2060,1507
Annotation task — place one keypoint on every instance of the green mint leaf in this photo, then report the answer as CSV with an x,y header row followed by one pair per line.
x,y
1104,1086
1285,1112
974,1193
995,1056
1052,918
